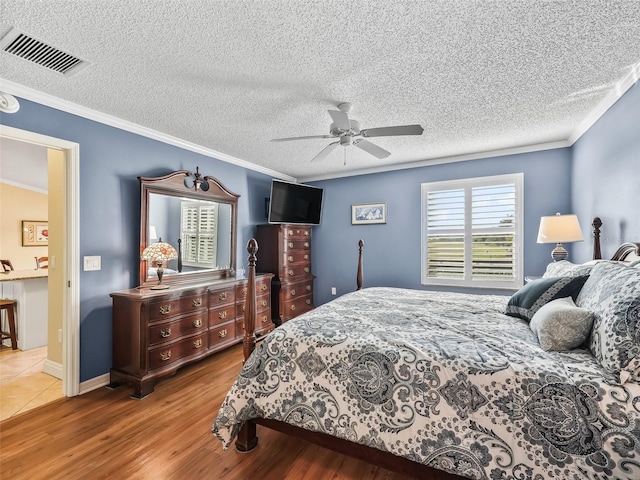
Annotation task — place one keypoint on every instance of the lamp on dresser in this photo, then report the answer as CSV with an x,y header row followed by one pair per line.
x,y
559,229
157,253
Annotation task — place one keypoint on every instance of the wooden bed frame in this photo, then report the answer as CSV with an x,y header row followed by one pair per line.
x,y
248,439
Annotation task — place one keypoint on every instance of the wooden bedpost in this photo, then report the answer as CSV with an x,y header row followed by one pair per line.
x,y
359,274
247,438
596,224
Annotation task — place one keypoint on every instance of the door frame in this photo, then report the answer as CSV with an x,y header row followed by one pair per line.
x,y
71,270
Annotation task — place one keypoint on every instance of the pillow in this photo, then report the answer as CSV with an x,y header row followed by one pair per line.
x,y
635,264
528,300
612,293
560,325
565,268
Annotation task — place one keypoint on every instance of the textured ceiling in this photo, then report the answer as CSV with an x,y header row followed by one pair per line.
x,y
231,75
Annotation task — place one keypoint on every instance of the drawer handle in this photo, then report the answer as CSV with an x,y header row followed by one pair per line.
x,y
293,293
164,356
306,244
308,288
306,269
264,319
165,332
222,315
263,286
290,273
290,244
308,302
223,296
306,257
164,309
263,303
306,233
293,307
197,302
222,333
244,291
242,308
291,258
197,343
290,232
197,323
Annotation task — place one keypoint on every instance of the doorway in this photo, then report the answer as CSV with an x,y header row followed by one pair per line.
x,y
65,275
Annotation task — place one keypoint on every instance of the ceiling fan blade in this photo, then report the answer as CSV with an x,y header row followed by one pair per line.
x,y
374,150
340,119
391,131
324,153
299,138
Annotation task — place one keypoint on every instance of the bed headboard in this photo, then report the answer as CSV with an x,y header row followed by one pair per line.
x,y
627,252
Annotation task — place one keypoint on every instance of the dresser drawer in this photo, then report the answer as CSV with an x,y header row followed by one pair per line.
x,y
293,307
293,244
222,314
263,322
297,232
294,270
223,333
168,354
163,309
263,303
166,332
263,285
222,296
290,291
296,257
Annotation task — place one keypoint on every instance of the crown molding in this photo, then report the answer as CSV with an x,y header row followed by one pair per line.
x,y
50,101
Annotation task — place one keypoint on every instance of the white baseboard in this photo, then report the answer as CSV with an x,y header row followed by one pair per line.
x,y
52,368
94,383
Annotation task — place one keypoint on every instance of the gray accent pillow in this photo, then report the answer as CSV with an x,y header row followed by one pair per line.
x,y
561,326
612,293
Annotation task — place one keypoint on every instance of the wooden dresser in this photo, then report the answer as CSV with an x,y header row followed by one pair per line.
x,y
285,251
155,332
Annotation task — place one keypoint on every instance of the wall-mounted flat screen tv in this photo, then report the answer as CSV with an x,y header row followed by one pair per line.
x,y
295,203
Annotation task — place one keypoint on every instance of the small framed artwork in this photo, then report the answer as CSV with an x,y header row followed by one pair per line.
x,y
35,233
367,213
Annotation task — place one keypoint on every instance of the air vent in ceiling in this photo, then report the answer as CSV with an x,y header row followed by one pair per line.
x,y
24,46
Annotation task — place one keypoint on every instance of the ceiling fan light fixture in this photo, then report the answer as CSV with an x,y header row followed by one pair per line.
x,y
346,141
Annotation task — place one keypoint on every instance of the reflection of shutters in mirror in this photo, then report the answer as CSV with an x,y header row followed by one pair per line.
x,y
199,226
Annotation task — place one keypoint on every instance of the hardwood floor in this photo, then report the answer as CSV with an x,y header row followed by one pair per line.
x,y
105,434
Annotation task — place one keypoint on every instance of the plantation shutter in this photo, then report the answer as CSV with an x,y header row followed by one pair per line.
x,y
472,232
199,233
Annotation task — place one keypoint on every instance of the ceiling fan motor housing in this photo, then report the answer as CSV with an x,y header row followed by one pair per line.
x,y
338,132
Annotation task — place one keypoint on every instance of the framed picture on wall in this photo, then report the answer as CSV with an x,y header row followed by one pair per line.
x,y
367,213
35,233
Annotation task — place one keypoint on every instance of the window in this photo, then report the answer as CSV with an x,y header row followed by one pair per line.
x,y
199,224
472,232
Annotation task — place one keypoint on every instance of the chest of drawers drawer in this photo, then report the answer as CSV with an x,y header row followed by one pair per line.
x,y
222,334
169,331
222,296
163,309
291,308
297,232
166,354
222,314
291,291
263,286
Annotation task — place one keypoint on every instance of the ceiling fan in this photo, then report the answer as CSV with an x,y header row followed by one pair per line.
x,y
347,132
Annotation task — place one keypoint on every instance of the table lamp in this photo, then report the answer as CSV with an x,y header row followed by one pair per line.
x,y
559,229
158,253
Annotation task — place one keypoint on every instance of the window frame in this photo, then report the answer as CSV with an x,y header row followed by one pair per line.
x,y
467,184
198,233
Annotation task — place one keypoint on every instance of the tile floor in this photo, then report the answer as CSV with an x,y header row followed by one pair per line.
x,y
23,386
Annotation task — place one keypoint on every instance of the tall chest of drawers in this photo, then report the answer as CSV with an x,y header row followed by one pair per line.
x,y
155,332
285,251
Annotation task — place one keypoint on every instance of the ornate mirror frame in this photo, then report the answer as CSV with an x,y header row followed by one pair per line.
x,y
175,185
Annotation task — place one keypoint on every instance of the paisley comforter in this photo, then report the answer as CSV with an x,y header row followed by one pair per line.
x,y
443,379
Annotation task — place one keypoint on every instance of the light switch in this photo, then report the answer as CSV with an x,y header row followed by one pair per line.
x,y
92,263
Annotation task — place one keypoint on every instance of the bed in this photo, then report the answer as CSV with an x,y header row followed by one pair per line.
x,y
444,385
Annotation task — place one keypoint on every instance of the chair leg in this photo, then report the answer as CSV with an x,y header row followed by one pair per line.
x,y
12,326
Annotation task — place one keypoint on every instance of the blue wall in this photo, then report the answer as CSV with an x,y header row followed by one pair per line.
x,y
392,250
606,175
110,162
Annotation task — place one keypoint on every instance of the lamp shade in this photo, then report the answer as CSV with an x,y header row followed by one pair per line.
x,y
559,229
159,252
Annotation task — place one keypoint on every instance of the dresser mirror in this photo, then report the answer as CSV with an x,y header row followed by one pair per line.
x,y
196,215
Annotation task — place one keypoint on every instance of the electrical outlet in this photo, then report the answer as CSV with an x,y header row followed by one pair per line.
x,y
333,290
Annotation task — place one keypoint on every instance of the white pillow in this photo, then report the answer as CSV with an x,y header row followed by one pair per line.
x,y
560,325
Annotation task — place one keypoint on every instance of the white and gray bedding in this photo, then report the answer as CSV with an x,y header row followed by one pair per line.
x,y
443,379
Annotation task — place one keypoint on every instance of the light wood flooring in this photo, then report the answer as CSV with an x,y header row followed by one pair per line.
x,y
105,434
23,385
